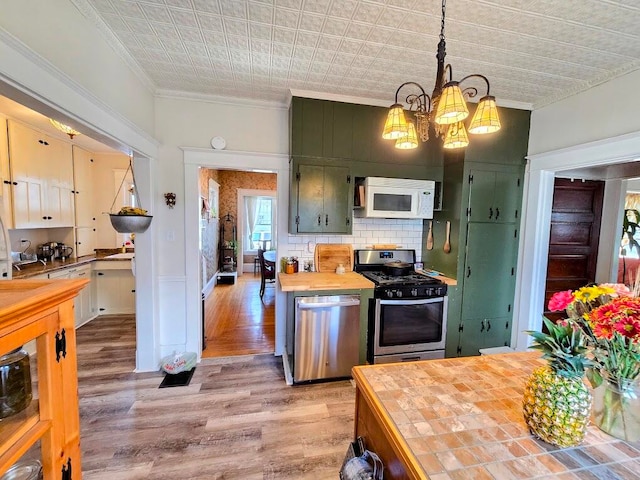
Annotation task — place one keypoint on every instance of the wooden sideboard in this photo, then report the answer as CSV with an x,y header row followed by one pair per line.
x,y
42,310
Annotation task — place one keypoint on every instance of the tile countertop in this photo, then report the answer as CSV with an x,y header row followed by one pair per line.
x,y
462,418
38,268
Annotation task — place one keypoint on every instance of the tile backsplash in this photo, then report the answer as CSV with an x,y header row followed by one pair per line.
x,y
406,233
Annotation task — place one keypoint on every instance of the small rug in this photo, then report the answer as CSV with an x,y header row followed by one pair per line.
x,y
181,379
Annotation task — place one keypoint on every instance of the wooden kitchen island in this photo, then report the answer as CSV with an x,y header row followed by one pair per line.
x,y
461,418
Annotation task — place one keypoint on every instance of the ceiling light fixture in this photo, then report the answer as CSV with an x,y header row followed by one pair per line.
x,y
64,128
446,108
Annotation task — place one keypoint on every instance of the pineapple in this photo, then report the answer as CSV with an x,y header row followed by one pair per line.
x,y
556,401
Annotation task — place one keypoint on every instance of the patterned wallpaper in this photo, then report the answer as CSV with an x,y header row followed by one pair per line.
x,y
231,180
209,228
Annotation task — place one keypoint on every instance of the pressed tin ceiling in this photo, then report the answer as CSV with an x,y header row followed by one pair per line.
x,y
534,52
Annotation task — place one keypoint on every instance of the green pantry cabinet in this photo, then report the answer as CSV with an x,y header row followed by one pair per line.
x,y
488,280
482,190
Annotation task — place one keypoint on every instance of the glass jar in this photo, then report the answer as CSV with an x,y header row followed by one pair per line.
x,y
15,382
616,408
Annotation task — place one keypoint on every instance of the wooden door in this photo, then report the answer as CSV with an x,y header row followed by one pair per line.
x,y
574,236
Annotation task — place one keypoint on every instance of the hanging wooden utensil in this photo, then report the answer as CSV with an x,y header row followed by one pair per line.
x,y
447,242
430,236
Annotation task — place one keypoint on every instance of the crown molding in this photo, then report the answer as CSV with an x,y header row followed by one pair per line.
x,y
376,102
220,99
89,12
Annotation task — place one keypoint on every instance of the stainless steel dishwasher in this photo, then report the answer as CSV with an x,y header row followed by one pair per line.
x,y
327,334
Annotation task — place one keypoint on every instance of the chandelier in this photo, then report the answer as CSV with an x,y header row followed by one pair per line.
x,y
64,128
446,108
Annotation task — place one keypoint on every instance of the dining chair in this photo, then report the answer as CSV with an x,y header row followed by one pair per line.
x,y
267,271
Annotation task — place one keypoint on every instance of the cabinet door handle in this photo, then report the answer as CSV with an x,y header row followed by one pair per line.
x,y
326,220
15,183
319,219
488,325
100,273
468,272
497,212
490,213
482,327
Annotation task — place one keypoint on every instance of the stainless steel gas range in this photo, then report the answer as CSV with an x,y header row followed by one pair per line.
x,y
408,314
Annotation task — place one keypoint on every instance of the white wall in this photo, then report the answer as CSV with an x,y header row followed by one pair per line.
x,y
57,31
192,124
604,111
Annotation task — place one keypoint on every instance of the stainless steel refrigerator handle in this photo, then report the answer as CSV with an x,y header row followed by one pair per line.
x,y
346,303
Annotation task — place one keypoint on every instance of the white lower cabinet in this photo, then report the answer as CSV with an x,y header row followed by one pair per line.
x,y
115,288
83,303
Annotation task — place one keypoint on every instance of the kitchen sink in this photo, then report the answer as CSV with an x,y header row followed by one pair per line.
x,y
128,255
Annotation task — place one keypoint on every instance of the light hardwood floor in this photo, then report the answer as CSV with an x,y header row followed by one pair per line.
x,y
238,321
236,420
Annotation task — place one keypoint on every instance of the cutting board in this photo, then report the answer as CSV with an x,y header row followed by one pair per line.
x,y
328,256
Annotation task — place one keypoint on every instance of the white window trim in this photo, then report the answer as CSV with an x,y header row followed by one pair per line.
x,y
247,192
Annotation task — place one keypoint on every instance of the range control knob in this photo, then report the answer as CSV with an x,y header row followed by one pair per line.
x,y
399,293
414,292
389,293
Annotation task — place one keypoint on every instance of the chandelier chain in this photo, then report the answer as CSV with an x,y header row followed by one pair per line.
x,y
444,3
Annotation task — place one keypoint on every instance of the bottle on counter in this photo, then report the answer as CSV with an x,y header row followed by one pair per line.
x,y
295,264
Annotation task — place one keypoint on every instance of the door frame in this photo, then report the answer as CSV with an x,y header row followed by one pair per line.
x,y
536,221
193,159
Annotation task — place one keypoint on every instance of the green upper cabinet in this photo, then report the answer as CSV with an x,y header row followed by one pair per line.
x,y
494,196
321,198
322,129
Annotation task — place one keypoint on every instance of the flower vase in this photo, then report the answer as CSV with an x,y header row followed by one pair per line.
x,y
616,409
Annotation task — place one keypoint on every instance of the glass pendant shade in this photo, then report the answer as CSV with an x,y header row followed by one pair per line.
x,y
396,124
64,128
451,105
486,119
456,136
410,141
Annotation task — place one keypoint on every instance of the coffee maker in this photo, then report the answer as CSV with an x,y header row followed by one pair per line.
x,y
62,252
46,251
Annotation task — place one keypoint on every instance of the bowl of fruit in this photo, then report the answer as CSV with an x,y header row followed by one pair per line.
x,y
130,220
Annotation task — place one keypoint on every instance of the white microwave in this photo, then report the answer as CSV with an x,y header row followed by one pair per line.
x,y
397,198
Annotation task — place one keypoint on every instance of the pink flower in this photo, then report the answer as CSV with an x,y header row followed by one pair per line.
x,y
620,288
560,300
628,327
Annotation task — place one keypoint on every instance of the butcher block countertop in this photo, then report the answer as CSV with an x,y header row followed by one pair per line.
x,y
309,281
461,418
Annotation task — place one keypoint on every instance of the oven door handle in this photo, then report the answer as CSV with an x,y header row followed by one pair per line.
x,y
421,301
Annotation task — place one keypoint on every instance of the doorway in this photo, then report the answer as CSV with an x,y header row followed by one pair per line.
x,y
237,321
194,159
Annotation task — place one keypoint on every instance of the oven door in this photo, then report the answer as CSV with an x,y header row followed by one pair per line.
x,y
405,326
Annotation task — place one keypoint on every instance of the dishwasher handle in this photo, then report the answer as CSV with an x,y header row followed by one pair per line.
x,y
348,302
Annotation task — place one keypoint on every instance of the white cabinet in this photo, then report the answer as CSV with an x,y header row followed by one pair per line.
x,y
115,287
42,179
83,199
85,241
83,303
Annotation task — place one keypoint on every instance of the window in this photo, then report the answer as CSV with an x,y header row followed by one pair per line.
x,y
259,216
